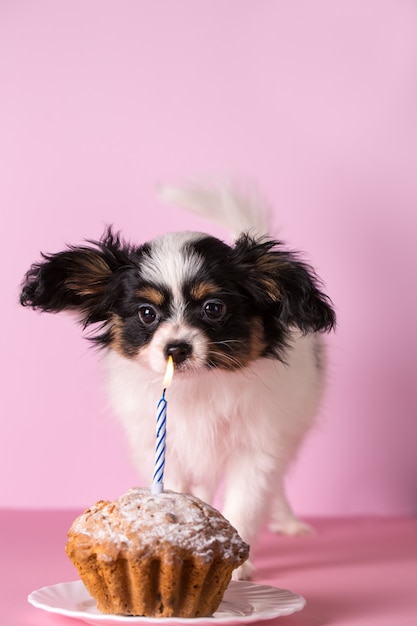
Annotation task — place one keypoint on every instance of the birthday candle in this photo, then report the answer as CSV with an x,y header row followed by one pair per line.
x,y
161,423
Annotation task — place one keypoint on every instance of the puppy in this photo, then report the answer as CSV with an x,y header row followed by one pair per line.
x,y
243,324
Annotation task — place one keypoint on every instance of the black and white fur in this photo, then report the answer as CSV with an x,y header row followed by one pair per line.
x,y
243,323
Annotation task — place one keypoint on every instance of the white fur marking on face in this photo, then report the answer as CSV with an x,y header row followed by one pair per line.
x,y
168,264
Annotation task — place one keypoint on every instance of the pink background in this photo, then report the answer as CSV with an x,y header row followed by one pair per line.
x,y
314,101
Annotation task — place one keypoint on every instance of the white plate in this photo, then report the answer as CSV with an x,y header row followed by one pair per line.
x,y
242,602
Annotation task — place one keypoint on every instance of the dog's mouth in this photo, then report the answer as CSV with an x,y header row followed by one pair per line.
x,y
186,361
180,367
188,366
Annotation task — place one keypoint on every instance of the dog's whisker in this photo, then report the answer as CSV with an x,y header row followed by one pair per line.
x,y
225,359
227,341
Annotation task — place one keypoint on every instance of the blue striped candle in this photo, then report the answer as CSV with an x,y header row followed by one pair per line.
x,y
161,433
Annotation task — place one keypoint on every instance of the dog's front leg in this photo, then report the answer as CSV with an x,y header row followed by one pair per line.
x,y
248,489
283,521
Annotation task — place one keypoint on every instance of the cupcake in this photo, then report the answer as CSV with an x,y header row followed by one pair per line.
x,y
164,555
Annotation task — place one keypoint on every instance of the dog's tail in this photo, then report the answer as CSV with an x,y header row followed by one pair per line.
x,y
236,208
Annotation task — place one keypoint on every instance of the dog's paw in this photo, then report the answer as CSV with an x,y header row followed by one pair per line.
x,y
291,526
243,572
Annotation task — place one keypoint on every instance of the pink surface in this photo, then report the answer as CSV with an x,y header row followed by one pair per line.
x,y
314,101
359,572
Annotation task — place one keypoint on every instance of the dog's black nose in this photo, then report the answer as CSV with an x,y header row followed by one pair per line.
x,y
180,351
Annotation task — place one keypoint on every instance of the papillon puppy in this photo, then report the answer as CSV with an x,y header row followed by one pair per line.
x,y
243,324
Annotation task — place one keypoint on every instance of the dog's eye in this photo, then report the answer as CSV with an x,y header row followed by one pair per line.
x,y
214,309
148,314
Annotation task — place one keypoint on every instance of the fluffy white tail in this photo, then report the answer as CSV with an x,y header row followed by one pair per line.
x,y
238,210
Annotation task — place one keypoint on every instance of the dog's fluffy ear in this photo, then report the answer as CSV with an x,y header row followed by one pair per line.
x,y
77,278
284,284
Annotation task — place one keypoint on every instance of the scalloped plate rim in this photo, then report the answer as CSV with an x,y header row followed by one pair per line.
x,y
262,608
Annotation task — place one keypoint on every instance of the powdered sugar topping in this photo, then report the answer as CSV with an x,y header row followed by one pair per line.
x,y
140,522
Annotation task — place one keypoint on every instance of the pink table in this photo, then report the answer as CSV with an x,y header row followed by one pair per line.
x,y
352,572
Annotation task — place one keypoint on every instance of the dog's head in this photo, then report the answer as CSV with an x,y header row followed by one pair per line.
x,y
189,295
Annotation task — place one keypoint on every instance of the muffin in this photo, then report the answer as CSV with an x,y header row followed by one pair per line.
x,y
164,555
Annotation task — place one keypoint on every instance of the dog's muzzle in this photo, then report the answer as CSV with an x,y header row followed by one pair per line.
x,y
179,351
